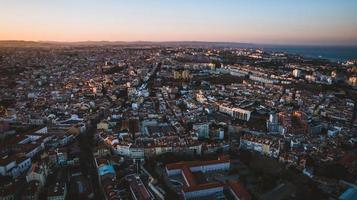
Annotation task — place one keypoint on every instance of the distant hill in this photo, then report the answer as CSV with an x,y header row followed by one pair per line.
x,y
19,43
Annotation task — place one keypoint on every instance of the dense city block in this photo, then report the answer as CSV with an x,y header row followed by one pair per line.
x,y
174,121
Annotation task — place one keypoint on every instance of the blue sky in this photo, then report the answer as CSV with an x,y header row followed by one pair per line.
x,y
257,21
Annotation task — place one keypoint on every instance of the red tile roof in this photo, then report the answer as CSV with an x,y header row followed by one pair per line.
x,y
189,176
203,186
138,188
239,190
179,165
190,179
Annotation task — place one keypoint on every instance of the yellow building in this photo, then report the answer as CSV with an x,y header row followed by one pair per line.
x,y
177,75
352,81
185,74
103,125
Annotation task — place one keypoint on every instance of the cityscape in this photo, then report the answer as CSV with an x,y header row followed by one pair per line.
x,y
177,118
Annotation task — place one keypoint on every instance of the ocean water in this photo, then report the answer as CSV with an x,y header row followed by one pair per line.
x,y
335,54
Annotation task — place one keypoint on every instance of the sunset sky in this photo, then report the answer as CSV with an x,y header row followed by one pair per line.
x,y
317,22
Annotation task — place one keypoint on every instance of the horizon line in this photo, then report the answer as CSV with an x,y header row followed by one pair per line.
x,y
178,41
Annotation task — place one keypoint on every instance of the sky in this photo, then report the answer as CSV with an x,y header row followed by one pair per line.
x,y
314,22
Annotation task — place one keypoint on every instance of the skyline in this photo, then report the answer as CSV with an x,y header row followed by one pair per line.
x,y
279,22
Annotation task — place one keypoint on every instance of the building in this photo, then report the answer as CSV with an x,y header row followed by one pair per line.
x,y
101,151
38,172
192,189
33,149
273,124
352,81
237,113
297,73
262,144
103,125
14,166
8,166
222,163
333,131
294,123
104,169
110,189
203,190
202,130
349,194
185,74
57,191
23,164
137,188
261,79
238,191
